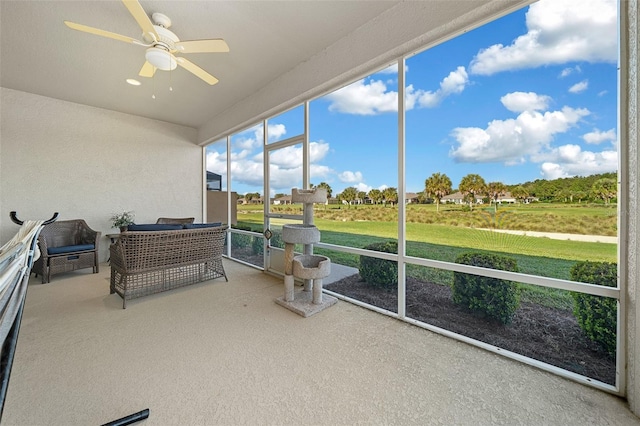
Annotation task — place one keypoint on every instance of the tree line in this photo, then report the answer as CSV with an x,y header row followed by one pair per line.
x,y
575,189
578,189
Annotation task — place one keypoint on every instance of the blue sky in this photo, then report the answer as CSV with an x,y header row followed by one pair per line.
x,y
530,96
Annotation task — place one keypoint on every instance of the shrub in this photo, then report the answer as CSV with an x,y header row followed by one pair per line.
x,y
240,240
489,297
377,272
276,240
596,314
257,245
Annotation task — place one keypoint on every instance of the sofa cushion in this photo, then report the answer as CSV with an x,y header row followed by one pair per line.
x,y
70,249
153,227
202,225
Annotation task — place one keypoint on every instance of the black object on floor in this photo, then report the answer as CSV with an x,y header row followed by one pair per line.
x,y
130,419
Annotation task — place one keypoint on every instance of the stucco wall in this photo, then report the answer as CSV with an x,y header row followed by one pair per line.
x,y
88,163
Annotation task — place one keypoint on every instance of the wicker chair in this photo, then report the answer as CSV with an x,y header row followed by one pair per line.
x,y
66,245
174,220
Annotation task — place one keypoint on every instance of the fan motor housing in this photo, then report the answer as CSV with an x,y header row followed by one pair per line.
x,y
166,38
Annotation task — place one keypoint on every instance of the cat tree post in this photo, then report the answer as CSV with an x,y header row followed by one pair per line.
x,y
311,268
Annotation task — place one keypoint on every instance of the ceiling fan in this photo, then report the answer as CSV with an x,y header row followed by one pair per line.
x,y
161,43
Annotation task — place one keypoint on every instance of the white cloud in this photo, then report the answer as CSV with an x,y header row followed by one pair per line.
x,y
282,179
252,138
579,87
217,162
363,187
288,157
247,172
291,156
318,171
568,71
571,160
276,131
286,165
552,171
364,98
521,101
350,177
454,83
558,32
597,136
245,143
373,97
510,141
317,151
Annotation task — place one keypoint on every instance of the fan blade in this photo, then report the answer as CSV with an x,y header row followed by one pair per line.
x,y
99,32
141,18
217,45
147,70
199,72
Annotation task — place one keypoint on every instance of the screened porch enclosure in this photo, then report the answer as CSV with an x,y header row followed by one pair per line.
x,y
532,248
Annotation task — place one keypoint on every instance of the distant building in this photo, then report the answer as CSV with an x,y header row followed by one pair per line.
x,y
458,198
507,198
285,199
411,198
455,198
214,181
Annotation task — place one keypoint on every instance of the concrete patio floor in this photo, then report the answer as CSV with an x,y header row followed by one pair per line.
x,y
226,353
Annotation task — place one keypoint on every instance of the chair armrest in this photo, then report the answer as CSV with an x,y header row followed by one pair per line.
x,y
42,244
89,236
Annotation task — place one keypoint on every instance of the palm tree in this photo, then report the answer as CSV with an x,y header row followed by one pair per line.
x,y
361,196
349,194
496,190
326,186
605,188
375,195
519,193
390,195
470,186
437,186
580,195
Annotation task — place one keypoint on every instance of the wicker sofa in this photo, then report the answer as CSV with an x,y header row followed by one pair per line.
x,y
66,245
149,260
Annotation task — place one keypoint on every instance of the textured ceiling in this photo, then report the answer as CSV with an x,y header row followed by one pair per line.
x,y
280,52
40,55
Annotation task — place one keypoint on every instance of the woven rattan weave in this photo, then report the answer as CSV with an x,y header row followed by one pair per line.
x,y
62,233
147,262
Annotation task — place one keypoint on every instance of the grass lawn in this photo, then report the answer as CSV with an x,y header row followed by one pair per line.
x,y
441,240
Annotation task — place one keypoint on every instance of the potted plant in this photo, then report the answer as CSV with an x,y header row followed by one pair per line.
x,y
122,220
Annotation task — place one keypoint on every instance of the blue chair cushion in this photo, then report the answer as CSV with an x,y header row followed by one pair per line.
x,y
153,227
70,249
202,225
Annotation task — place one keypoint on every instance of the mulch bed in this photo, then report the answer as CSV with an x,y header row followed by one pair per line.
x,y
546,334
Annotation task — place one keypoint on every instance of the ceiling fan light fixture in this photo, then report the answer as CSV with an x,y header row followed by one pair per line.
x,y
161,59
160,43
